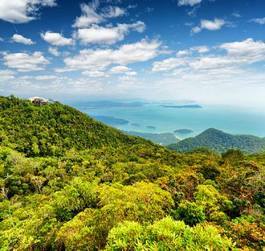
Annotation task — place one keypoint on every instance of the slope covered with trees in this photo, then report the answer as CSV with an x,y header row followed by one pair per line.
x,y
220,141
102,190
54,128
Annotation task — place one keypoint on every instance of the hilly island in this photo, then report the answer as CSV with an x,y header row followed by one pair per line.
x,y
220,141
69,182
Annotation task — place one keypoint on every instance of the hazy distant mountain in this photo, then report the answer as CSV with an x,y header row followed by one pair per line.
x,y
220,141
192,106
109,120
158,138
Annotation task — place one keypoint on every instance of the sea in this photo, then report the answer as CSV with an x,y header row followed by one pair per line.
x,y
155,117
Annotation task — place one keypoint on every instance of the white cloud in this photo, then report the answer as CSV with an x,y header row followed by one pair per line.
x,y
113,11
54,51
119,69
210,63
247,51
107,35
56,39
188,2
168,64
183,53
24,62
258,20
90,14
131,73
23,40
211,25
95,74
1,39
237,55
46,77
22,11
40,77
99,59
236,15
6,75
200,49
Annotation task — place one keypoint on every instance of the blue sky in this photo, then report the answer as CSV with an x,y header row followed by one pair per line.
x,y
207,51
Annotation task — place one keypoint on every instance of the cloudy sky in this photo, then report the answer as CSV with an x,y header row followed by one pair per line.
x,y
207,51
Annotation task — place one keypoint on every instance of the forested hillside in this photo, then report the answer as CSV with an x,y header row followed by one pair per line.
x,y
220,141
54,128
68,182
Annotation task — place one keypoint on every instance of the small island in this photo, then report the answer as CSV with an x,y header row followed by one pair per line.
x,y
163,139
183,131
135,124
111,120
192,106
151,127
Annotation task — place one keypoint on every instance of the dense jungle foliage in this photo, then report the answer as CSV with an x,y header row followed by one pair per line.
x,y
70,183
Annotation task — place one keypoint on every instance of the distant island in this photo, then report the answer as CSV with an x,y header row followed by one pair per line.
x,y
195,106
107,104
111,120
158,138
135,124
183,131
151,127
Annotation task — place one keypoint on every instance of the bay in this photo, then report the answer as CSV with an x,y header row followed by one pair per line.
x,y
156,118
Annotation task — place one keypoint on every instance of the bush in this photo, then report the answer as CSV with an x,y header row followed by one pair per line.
x,y
190,213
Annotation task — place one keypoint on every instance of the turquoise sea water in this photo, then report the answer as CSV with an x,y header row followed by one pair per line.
x,y
143,117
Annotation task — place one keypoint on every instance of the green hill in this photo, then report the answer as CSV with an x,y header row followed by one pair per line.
x,y
68,182
54,128
220,141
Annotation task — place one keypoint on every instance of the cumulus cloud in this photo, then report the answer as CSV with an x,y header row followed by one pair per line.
x,y
54,51
258,20
107,35
236,55
22,11
113,11
22,40
95,74
56,39
248,50
40,77
183,53
90,14
126,54
119,69
211,25
24,62
6,75
168,64
188,2
200,49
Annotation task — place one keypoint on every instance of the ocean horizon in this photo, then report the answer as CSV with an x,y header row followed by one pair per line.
x,y
153,117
